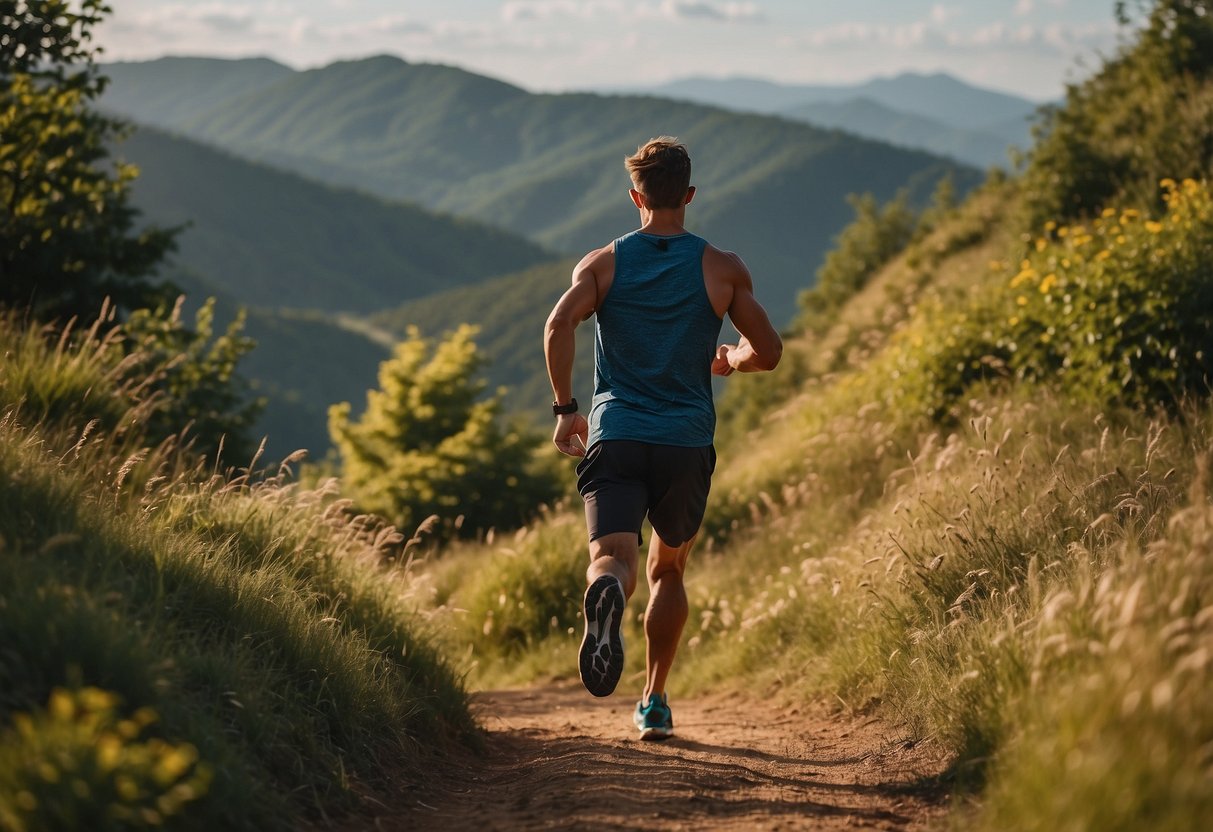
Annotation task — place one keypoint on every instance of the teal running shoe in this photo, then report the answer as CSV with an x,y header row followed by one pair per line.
x,y
654,720
601,658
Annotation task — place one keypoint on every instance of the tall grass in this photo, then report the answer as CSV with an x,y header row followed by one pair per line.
x,y
251,638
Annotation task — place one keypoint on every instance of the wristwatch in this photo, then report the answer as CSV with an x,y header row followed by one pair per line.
x,y
564,409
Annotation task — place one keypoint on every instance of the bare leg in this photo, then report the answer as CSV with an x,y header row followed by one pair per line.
x,y
614,554
667,612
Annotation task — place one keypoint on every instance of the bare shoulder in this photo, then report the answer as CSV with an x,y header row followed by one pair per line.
x,y
600,263
721,265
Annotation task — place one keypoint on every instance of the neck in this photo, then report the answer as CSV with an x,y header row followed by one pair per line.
x,y
665,221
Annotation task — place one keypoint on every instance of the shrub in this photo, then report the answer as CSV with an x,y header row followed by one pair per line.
x,y
78,763
428,443
1119,311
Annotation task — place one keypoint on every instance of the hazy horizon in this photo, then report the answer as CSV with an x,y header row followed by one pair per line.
x,y
1022,47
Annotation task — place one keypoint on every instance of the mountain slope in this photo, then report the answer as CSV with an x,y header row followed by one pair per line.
x,y
270,238
870,118
549,166
168,90
938,96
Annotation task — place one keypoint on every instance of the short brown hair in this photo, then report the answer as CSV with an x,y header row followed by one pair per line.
x,y
661,170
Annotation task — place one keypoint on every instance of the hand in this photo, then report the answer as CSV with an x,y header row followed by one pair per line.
x,y
572,432
720,364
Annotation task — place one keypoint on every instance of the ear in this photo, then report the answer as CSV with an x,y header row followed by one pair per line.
x,y
637,198
690,195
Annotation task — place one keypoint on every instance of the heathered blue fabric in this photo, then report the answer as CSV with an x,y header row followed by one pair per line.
x,y
654,339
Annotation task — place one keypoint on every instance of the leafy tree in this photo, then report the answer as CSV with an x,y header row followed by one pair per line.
x,y
68,236
1143,117
430,444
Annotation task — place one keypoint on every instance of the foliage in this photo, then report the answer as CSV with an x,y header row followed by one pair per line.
x,y
428,443
1120,311
1143,116
265,626
150,379
193,374
68,234
877,233
78,763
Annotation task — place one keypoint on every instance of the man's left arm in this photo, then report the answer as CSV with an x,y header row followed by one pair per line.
x,y
559,347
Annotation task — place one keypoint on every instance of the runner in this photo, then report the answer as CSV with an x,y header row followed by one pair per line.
x,y
659,294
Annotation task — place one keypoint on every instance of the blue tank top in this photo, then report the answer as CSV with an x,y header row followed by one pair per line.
x,y
654,340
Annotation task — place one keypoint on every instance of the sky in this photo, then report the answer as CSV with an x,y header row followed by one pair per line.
x,y
1028,47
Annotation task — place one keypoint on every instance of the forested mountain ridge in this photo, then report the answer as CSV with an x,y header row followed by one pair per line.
x,y
270,238
549,166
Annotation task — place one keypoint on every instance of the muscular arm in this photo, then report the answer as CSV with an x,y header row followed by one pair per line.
x,y
760,347
559,345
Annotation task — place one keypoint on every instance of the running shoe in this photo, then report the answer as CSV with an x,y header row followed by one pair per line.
x,y
601,658
654,720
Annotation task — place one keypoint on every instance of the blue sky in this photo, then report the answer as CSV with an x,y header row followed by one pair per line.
x,y
1030,47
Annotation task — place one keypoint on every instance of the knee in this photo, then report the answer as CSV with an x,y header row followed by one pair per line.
x,y
665,570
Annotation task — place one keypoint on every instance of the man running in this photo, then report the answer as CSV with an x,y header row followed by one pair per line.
x,y
659,294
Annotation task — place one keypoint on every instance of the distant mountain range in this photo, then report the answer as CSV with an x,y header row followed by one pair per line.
x,y
936,112
407,192
546,166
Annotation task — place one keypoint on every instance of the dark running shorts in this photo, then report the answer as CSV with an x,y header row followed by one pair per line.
x,y
621,481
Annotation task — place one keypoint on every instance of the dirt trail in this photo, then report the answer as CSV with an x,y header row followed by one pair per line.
x,y
556,758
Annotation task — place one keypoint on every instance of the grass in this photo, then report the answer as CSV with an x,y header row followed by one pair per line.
x,y
247,651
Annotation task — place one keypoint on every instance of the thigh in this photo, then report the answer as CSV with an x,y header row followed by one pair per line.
x,y
611,480
681,480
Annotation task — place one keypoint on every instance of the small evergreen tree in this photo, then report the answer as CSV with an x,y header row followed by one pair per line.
x,y
68,236
430,444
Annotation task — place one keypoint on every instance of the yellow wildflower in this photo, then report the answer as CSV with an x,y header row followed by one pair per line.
x,y
1108,212
1014,319
1167,183
1120,239
1021,300
1050,225
1103,255
1048,283
1023,277
1041,243
1153,227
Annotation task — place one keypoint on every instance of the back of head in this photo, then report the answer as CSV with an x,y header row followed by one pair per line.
x,y
661,170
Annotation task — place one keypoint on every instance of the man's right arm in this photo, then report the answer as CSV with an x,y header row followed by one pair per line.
x,y
760,347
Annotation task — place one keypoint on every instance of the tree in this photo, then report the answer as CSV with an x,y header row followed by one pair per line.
x,y
430,444
1144,116
68,235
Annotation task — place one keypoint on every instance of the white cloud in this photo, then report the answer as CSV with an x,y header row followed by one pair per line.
x,y
704,10
1024,7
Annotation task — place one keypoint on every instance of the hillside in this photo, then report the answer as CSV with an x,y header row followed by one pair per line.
x,y
270,238
938,96
167,90
189,648
549,166
868,117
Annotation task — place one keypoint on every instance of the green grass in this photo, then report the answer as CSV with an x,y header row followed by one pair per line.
x,y
266,636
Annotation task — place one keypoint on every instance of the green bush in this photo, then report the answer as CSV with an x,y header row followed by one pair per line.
x,y
428,444
1119,311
